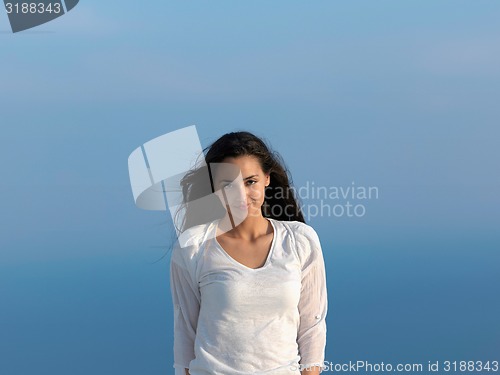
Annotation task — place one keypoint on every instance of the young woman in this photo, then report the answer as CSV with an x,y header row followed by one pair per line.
x,y
249,284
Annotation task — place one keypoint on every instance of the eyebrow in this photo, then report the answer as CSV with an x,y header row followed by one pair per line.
x,y
246,178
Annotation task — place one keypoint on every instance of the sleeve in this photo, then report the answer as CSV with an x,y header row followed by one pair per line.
x,y
313,303
186,304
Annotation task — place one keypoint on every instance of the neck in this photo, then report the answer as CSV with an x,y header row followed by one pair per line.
x,y
250,228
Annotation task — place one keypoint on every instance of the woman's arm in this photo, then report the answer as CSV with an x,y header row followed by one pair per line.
x,y
313,303
186,302
311,371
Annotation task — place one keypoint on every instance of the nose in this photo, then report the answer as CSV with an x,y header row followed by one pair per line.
x,y
235,193
239,194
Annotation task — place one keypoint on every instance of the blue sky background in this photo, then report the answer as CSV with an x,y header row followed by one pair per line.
x,y
398,95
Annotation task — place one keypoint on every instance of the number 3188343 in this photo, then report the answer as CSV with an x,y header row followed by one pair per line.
x,y
33,8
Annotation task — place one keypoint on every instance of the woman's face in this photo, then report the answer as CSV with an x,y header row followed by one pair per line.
x,y
243,192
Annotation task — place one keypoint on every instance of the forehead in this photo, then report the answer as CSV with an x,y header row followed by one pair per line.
x,y
247,162
231,166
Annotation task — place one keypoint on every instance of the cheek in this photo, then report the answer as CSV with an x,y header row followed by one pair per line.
x,y
232,196
257,192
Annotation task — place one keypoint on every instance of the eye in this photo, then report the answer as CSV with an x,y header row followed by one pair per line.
x,y
250,182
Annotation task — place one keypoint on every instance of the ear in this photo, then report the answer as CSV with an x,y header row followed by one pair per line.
x,y
268,180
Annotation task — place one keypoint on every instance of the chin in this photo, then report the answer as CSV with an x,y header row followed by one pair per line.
x,y
254,212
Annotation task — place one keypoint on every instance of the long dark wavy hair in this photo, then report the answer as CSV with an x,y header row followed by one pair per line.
x,y
280,201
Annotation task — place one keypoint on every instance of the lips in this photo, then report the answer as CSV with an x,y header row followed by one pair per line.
x,y
241,206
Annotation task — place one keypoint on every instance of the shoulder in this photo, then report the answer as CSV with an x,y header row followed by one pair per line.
x,y
301,232
190,245
304,239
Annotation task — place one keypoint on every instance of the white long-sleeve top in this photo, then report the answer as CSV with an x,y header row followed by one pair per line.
x,y
230,319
